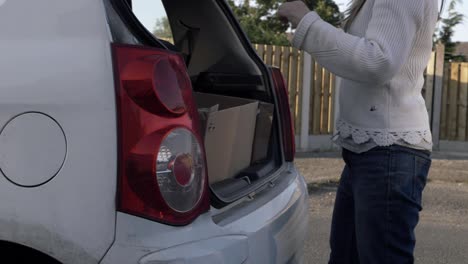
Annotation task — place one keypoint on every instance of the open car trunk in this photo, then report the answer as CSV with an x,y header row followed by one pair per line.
x,y
232,86
242,144
238,135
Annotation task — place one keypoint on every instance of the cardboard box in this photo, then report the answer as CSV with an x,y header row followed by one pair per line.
x,y
228,127
262,132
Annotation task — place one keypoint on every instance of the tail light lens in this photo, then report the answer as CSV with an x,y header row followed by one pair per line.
x,y
180,170
281,89
162,164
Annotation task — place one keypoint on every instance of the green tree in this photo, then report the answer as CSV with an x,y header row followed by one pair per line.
x,y
446,32
258,18
327,9
162,29
259,22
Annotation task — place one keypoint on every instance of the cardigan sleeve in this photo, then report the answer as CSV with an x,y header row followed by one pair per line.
x,y
375,58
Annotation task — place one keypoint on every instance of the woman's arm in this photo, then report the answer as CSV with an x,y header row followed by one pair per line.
x,y
375,58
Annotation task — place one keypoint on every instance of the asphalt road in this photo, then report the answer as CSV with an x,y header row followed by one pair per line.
x,y
442,234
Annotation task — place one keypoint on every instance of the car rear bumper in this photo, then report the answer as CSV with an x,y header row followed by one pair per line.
x,y
268,228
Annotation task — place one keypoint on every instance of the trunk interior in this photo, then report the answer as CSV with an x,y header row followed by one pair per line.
x,y
227,75
263,162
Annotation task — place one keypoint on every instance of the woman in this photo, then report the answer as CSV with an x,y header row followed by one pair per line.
x,y
383,125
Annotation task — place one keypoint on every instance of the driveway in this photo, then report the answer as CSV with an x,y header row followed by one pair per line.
x,y
442,235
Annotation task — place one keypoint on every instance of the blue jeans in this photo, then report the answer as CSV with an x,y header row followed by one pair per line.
x,y
377,206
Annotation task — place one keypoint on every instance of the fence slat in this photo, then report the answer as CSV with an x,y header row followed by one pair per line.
x,y
261,51
300,89
429,84
331,125
277,56
444,112
464,84
326,102
305,100
453,95
462,103
293,84
317,99
269,55
285,63
313,67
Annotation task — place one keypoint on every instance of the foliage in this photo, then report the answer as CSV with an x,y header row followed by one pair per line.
x,y
162,29
453,19
259,20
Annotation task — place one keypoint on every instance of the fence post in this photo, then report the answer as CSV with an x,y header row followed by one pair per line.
x,y
462,103
305,109
428,89
437,96
333,104
326,103
293,86
336,107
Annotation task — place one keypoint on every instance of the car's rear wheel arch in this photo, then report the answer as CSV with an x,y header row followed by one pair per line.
x,y
23,254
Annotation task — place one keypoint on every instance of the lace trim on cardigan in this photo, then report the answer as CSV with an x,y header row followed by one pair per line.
x,y
382,137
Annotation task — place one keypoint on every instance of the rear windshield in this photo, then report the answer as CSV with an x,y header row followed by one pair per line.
x,y
153,17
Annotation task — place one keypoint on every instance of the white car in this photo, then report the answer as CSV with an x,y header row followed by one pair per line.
x,y
92,107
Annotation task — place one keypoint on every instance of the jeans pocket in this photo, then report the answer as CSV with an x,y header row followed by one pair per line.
x,y
421,171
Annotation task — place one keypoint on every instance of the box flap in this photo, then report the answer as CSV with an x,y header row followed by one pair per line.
x,y
243,138
205,100
262,132
206,118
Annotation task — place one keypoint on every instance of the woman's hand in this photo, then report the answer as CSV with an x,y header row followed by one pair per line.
x,y
293,12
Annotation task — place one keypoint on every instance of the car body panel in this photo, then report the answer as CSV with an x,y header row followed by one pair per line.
x,y
56,60
271,226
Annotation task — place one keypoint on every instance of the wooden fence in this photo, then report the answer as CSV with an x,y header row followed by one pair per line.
x,y
445,91
454,115
322,87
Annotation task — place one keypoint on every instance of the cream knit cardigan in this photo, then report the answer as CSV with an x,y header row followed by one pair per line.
x,y
381,61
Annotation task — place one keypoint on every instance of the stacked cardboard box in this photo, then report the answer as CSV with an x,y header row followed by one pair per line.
x,y
236,132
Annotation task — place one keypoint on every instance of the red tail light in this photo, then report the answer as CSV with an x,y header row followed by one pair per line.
x,y
289,144
162,165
